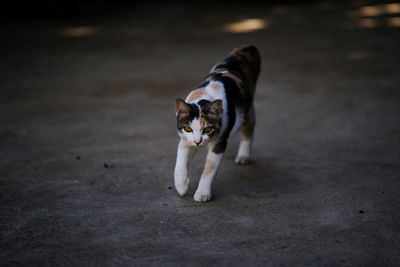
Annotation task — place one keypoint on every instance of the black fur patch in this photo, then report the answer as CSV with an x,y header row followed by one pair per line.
x,y
213,133
182,121
203,104
196,110
232,64
220,147
236,97
203,84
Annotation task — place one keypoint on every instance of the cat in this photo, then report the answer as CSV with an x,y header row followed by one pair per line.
x,y
212,112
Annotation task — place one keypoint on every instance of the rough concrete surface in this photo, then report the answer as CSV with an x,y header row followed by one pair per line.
x,y
88,138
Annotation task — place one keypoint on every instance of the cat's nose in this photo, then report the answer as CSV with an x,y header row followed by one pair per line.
x,y
197,142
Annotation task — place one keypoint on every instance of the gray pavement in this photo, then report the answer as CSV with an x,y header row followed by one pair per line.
x,y
88,141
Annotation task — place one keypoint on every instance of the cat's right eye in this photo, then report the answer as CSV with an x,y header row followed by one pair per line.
x,y
187,129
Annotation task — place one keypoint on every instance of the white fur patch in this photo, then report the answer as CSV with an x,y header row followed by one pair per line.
x,y
238,122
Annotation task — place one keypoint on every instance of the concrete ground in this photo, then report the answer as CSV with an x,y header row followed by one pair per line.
x,y
88,138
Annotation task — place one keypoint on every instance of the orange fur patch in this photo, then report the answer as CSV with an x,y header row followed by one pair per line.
x,y
233,77
219,70
247,129
215,86
209,168
196,94
202,122
226,74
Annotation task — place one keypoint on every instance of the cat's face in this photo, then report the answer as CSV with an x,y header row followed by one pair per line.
x,y
198,123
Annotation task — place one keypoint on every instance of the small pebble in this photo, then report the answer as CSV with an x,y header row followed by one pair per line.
x,y
169,187
361,211
108,166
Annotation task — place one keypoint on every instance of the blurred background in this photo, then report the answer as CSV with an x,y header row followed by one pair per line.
x,y
88,138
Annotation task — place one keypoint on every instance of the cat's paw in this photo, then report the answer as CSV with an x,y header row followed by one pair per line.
x,y
202,196
242,160
182,187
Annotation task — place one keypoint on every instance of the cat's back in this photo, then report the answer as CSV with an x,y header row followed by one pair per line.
x,y
209,90
238,73
242,66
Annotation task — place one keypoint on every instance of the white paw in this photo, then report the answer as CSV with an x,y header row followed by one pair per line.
x,y
202,196
182,187
242,160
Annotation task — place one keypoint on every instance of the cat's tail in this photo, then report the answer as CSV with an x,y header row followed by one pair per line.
x,y
250,60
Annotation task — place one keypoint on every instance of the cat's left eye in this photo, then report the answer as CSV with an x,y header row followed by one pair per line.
x,y
207,129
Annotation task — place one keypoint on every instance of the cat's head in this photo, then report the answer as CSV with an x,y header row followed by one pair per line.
x,y
198,123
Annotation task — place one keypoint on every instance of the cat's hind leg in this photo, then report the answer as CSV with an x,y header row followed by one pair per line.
x,y
246,131
184,156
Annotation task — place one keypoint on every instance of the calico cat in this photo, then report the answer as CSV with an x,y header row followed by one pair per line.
x,y
221,105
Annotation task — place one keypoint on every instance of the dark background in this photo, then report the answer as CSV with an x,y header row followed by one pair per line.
x,y
88,138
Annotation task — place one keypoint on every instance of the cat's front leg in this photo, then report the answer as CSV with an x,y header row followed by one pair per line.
x,y
203,192
184,155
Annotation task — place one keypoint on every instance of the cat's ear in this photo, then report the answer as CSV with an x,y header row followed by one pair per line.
x,y
214,110
182,108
